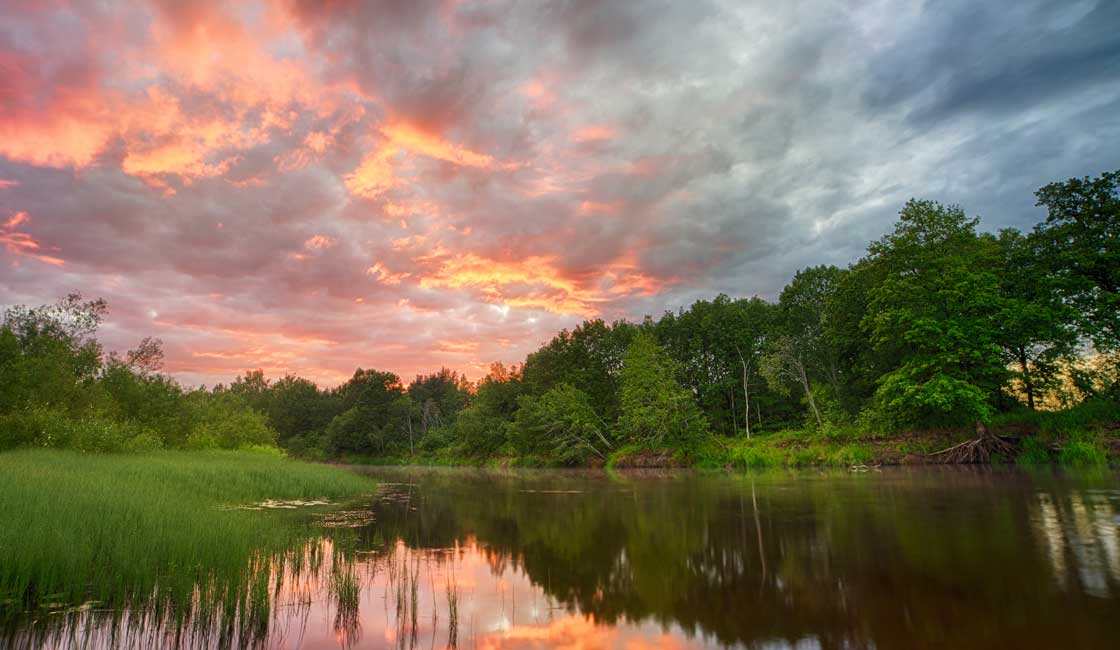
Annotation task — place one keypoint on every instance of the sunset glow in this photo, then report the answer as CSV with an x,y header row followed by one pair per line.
x,y
308,187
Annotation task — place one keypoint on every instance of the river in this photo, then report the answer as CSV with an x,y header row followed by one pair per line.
x,y
900,558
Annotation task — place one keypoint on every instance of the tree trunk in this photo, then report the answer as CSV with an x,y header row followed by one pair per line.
x,y
734,416
746,393
411,451
804,377
1027,384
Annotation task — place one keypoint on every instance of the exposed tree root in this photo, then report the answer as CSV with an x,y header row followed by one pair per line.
x,y
979,450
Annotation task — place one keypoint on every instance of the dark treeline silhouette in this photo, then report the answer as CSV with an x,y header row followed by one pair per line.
x,y
939,325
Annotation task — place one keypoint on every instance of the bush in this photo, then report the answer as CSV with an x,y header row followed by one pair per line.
x,y
144,442
225,421
99,434
37,426
46,427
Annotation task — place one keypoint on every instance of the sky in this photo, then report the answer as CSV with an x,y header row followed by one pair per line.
x,y
312,186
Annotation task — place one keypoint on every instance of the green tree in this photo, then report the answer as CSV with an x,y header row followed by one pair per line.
x,y
937,306
563,425
365,424
296,408
439,397
656,410
49,354
588,358
1080,240
1036,326
801,352
716,346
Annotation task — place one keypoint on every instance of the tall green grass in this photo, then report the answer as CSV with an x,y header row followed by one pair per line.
x,y
152,531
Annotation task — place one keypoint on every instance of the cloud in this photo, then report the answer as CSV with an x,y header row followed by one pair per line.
x,y
308,187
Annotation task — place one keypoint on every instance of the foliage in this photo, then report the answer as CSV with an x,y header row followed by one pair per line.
x,y
936,305
563,425
656,410
1080,241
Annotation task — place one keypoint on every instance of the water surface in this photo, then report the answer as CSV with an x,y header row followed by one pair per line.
x,y
905,558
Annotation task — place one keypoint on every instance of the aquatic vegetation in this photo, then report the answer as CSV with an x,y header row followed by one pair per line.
x,y
162,530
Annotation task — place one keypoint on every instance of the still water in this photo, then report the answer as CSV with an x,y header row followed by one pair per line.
x,y
903,558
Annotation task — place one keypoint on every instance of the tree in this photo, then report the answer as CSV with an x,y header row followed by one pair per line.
x,y
716,345
252,387
656,410
1080,240
146,358
1036,325
224,420
801,351
936,305
786,363
439,397
49,354
365,424
588,358
297,408
562,424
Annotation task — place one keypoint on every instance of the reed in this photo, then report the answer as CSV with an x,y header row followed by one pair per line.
x,y
168,531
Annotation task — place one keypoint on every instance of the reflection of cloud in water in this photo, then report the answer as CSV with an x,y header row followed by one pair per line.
x,y
498,607
1082,532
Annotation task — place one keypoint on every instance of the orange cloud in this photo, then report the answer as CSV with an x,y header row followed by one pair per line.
x,y
427,144
378,172
593,207
593,134
374,176
319,242
533,282
23,244
384,275
71,134
458,347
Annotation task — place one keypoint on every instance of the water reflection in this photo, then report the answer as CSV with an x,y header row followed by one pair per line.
x,y
470,559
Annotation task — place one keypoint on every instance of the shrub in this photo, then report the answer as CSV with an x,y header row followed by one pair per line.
x,y
99,434
144,442
225,421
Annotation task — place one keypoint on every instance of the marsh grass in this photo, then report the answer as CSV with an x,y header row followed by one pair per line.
x,y
153,534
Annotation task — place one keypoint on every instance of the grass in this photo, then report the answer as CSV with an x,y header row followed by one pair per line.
x,y
146,529
1082,451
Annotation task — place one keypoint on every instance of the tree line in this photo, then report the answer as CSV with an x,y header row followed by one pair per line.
x,y
939,324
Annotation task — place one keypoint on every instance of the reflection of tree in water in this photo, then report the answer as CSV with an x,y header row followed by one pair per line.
x,y
932,559
1081,533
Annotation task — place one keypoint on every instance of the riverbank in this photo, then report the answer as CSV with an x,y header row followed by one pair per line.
x,y
115,530
1090,437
